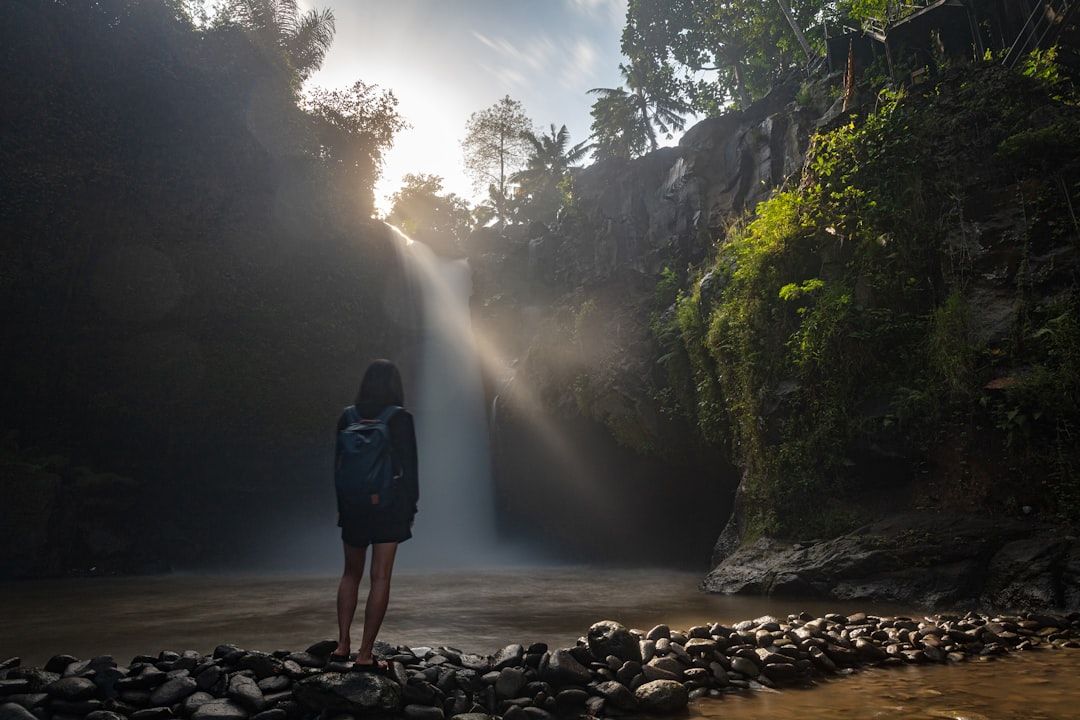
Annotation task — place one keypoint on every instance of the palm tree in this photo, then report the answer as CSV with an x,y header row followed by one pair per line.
x,y
546,168
303,39
648,105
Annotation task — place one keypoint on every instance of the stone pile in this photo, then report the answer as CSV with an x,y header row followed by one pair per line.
x,y
612,671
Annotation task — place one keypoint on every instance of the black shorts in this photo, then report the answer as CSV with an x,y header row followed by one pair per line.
x,y
371,524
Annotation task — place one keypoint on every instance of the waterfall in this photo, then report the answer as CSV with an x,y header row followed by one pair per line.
x,y
455,525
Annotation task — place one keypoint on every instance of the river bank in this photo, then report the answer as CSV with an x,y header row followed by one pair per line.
x,y
611,671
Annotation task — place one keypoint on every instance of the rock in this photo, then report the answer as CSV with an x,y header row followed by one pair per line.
x,y
611,638
348,692
261,664
220,710
104,715
662,697
153,713
562,668
510,681
658,631
12,711
617,695
745,666
245,692
173,691
423,712
72,689
511,655
537,713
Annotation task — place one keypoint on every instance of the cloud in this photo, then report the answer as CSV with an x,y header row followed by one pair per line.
x,y
603,10
580,64
515,65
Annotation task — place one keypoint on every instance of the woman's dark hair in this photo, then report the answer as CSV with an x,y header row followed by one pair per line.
x,y
380,387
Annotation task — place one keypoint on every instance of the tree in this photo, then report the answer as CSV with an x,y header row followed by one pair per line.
x,y
720,52
546,170
625,121
496,146
423,212
302,39
353,128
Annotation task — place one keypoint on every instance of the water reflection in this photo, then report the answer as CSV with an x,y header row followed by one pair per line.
x,y
481,611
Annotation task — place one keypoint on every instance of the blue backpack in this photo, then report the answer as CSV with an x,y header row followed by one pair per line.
x,y
364,474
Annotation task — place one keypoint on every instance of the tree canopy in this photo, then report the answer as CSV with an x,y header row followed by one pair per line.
x,y
425,212
715,53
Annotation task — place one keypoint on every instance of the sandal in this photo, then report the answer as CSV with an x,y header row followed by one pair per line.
x,y
376,667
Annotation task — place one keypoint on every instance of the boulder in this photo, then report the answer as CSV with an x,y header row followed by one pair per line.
x,y
353,692
608,637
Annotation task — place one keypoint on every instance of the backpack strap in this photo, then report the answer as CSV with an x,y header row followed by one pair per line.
x,y
351,416
388,412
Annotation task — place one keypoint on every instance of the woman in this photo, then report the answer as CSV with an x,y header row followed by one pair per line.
x,y
380,527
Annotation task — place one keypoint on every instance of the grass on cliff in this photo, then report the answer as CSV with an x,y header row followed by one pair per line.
x,y
832,343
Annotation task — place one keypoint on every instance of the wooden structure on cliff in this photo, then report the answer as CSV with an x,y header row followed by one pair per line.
x,y
918,37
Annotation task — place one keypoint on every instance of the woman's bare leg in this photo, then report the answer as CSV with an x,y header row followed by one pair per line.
x,y
382,567
347,591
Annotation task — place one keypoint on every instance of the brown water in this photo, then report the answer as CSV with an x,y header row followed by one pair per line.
x,y
483,611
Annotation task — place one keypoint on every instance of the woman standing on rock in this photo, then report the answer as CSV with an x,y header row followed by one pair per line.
x,y
381,526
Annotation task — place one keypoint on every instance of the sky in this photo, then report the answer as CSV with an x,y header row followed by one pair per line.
x,y
446,59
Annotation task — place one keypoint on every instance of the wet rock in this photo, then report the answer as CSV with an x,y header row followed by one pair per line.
x,y
153,713
611,638
222,709
348,692
423,712
173,691
662,697
509,682
13,711
246,693
617,695
72,689
562,668
509,656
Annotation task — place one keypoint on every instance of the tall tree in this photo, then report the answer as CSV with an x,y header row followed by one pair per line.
x,y
627,120
303,39
546,170
495,147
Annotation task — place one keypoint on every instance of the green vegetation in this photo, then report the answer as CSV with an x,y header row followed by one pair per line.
x,y
840,319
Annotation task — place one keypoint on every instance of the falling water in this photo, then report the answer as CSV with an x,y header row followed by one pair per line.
x,y
455,526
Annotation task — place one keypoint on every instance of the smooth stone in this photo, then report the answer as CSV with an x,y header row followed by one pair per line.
x,y
745,666
14,711
617,695
246,692
72,689
509,682
509,656
173,691
423,712
220,709
662,697
562,668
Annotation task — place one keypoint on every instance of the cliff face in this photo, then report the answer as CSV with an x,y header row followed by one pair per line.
x,y
572,312
951,298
